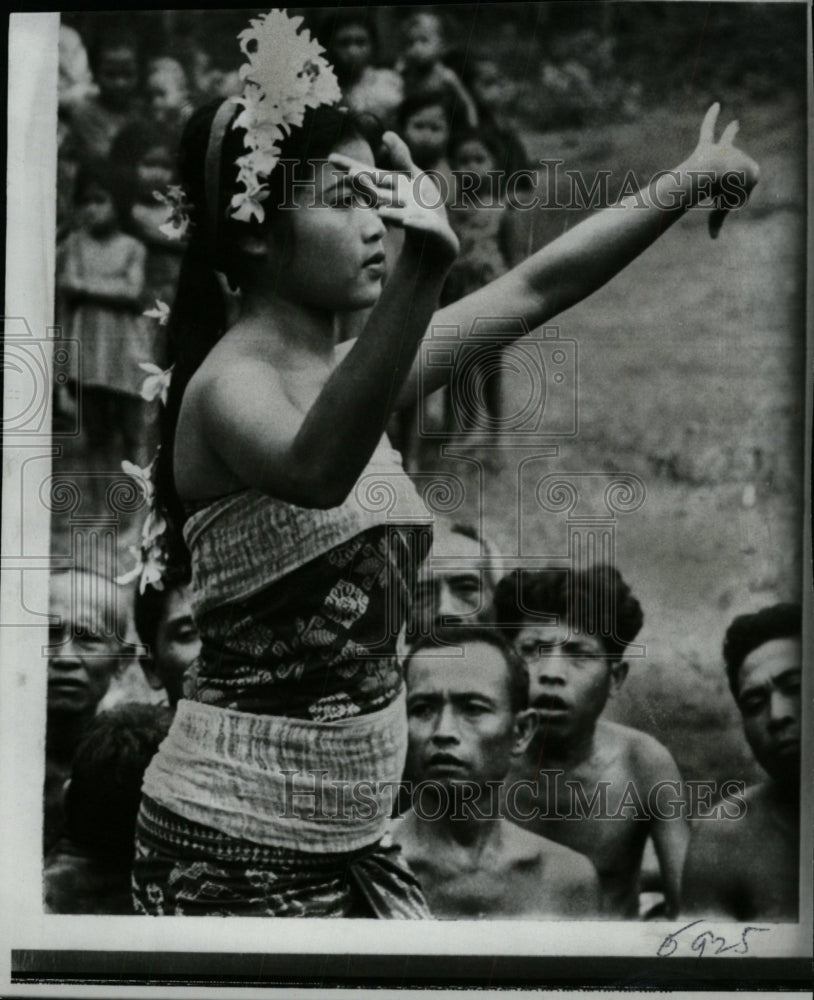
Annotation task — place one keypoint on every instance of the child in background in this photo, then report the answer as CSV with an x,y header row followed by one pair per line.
x,y
98,119
495,93
351,40
168,94
425,124
144,156
100,281
423,70
88,871
75,79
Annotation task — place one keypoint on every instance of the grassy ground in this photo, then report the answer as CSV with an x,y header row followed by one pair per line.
x,y
691,376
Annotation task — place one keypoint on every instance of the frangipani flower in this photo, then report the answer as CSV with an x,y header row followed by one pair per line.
x,y
142,476
178,221
161,312
157,383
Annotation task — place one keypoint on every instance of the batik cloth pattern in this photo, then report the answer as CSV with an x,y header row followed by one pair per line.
x,y
299,609
186,869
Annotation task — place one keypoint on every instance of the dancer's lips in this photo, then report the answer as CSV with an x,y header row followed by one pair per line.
x,y
375,262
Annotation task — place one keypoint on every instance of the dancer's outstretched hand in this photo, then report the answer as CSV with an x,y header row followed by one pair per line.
x,y
734,173
406,197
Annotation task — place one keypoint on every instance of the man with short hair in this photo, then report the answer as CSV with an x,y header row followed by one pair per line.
x,y
746,867
164,623
456,582
86,648
597,785
467,712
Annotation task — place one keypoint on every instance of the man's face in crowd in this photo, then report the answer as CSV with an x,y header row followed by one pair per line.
x,y
460,718
770,704
177,645
86,646
454,583
570,678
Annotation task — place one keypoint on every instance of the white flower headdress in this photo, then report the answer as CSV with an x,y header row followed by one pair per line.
x,y
284,76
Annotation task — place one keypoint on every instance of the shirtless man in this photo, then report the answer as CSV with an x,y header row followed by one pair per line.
x,y
747,867
468,717
598,787
455,583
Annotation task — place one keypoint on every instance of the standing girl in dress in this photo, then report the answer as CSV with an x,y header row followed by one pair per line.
x,y
272,792
100,281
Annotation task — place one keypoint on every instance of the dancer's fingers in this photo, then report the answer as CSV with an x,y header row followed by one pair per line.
x,y
399,152
716,220
707,135
729,134
382,178
394,214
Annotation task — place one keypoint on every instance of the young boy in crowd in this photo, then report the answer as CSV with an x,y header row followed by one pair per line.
x,y
598,784
97,120
351,40
422,67
88,871
468,718
745,865
163,620
83,656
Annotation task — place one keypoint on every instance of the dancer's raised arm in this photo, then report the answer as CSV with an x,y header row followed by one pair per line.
x,y
585,258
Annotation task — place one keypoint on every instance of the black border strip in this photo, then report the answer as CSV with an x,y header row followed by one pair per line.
x,y
51,966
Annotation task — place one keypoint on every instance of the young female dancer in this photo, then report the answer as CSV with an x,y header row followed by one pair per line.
x,y
272,793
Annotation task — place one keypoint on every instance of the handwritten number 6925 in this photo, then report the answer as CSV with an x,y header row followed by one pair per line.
x,y
707,940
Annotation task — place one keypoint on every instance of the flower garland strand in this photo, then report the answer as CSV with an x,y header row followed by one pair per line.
x,y
151,556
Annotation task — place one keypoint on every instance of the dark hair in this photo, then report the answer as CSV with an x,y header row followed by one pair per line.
x,y
747,632
343,17
481,135
149,607
597,601
98,174
198,317
425,99
138,138
434,15
464,635
118,38
102,800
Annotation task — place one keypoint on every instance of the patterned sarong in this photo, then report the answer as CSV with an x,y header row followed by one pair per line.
x,y
185,869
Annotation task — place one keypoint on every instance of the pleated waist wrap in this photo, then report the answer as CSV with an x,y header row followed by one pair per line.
x,y
294,783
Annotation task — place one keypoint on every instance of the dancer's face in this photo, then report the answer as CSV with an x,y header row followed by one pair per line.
x,y
332,255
